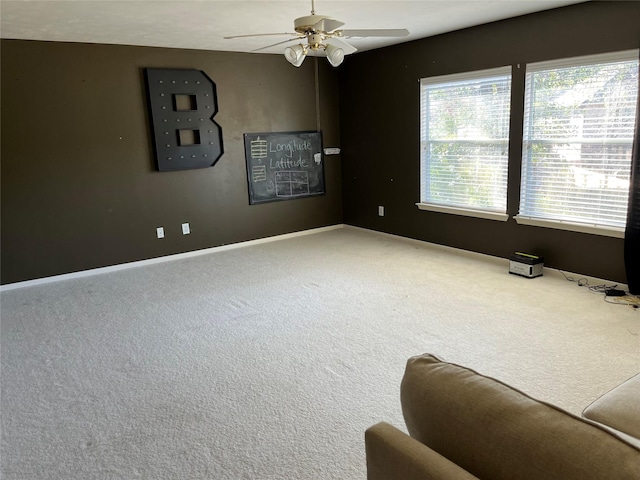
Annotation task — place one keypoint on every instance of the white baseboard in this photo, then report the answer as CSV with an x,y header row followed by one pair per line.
x,y
205,251
576,277
167,258
437,246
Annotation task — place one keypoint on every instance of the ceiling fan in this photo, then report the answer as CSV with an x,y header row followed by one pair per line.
x,y
322,36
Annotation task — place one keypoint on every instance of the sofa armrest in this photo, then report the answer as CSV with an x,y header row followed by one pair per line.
x,y
392,454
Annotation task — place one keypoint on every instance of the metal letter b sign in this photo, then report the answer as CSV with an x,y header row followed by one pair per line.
x,y
182,104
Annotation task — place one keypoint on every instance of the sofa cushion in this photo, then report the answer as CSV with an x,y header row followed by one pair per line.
x,y
619,408
496,432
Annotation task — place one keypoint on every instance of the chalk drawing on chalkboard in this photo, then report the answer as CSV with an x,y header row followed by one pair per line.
x,y
259,148
259,173
270,186
284,165
292,183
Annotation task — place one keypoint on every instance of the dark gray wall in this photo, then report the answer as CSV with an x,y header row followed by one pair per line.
x,y
381,143
79,187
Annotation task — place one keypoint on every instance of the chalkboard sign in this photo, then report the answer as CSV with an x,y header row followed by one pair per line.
x,y
284,165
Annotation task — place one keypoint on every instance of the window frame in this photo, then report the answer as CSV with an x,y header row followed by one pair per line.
x,y
503,71
560,224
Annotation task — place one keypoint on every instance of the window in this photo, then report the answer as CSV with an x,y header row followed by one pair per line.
x,y
578,134
464,136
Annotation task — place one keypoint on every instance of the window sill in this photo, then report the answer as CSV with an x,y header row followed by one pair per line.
x,y
572,227
502,217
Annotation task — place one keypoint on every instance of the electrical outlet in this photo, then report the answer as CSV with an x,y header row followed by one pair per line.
x,y
160,232
185,229
381,211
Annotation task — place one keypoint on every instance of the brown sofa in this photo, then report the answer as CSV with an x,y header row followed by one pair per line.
x,y
463,425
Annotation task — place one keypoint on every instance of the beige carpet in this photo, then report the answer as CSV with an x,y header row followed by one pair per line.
x,y
270,361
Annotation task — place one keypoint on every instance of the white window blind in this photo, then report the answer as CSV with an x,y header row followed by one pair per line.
x,y
464,130
578,134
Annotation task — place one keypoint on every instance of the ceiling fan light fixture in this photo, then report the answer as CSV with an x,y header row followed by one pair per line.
x,y
295,54
335,55
320,32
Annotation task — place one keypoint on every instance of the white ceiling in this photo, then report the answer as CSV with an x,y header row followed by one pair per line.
x,y
202,24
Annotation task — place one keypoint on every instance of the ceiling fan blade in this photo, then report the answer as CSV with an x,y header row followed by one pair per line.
x,y
383,32
259,35
336,42
327,25
296,39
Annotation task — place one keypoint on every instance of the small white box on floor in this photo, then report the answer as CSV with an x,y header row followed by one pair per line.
x,y
526,265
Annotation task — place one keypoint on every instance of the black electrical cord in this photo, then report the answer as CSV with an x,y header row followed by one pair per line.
x,y
619,298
